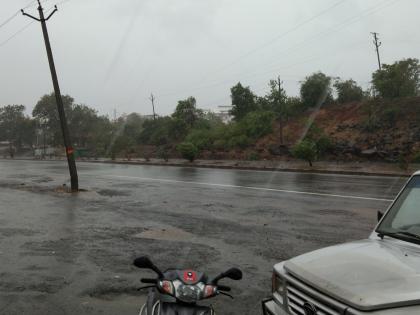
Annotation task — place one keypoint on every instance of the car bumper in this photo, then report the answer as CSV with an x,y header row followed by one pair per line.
x,y
271,308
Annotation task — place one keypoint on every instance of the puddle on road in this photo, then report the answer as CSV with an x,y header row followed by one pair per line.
x,y
166,234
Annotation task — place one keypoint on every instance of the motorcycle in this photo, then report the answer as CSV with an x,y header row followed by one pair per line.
x,y
177,292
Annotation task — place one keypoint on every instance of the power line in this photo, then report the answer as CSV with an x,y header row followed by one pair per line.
x,y
340,26
16,34
8,20
27,25
271,41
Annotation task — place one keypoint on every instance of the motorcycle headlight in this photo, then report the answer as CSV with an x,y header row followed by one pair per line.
x,y
188,293
277,284
167,287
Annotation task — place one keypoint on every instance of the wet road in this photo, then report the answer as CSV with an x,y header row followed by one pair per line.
x,y
69,254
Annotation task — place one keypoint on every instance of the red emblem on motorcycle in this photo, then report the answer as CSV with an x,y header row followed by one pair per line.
x,y
190,276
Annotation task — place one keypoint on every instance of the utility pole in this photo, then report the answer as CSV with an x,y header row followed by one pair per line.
x,y
377,44
152,99
64,128
281,114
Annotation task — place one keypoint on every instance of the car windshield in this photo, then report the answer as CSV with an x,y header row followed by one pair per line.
x,y
404,215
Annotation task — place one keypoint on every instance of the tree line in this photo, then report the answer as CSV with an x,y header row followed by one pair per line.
x,y
189,130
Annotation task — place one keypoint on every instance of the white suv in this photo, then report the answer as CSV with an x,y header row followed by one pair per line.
x,y
379,275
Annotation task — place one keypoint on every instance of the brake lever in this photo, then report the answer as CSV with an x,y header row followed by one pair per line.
x,y
227,294
146,287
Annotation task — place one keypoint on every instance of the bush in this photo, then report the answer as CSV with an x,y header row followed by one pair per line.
x,y
305,150
241,141
253,156
323,145
188,151
163,153
390,115
201,138
416,158
257,124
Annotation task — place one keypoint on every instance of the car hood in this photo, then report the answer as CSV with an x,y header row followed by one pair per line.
x,y
367,275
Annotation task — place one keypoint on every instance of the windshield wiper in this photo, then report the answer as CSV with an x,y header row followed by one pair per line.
x,y
399,235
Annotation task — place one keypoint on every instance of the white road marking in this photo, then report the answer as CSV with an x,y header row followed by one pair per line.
x,y
248,187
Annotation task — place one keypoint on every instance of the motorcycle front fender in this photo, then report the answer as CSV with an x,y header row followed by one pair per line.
x,y
166,308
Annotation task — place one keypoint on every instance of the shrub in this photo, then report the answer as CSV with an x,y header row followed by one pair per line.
x,y
188,151
253,156
241,141
323,145
201,138
390,115
416,158
163,153
305,150
257,124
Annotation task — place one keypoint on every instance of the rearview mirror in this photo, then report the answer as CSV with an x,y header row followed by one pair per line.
x,y
144,262
380,214
233,273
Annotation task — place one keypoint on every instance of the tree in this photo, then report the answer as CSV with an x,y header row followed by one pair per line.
x,y
316,90
243,101
401,79
15,127
305,150
187,112
278,101
348,91
188,151
45,112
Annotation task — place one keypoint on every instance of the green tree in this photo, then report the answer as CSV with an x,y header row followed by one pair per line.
x,y
316,90
401,79
243,101
305,150
256,124
348,91
188,151
15,127
45,112
187,112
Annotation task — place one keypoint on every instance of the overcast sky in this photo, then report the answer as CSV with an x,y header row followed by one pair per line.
x,y
114,53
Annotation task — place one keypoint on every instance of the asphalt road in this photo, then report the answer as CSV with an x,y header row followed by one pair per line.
x,y
71,254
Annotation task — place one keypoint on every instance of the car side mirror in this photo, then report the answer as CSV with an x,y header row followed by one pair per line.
x,y
380,214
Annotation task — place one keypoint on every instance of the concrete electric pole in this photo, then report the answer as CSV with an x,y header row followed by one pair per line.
x,y
377,44
152,99
64,128
279,83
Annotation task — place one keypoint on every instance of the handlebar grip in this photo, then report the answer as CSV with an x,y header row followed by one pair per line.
x,y
223,288
148,280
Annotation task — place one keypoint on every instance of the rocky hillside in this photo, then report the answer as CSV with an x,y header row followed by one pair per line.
x,y
376,130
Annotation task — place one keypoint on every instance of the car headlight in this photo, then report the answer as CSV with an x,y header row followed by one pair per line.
x,y
188,293
277,284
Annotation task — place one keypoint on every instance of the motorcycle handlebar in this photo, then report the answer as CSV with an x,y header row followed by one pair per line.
x,y
223,288
148,280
